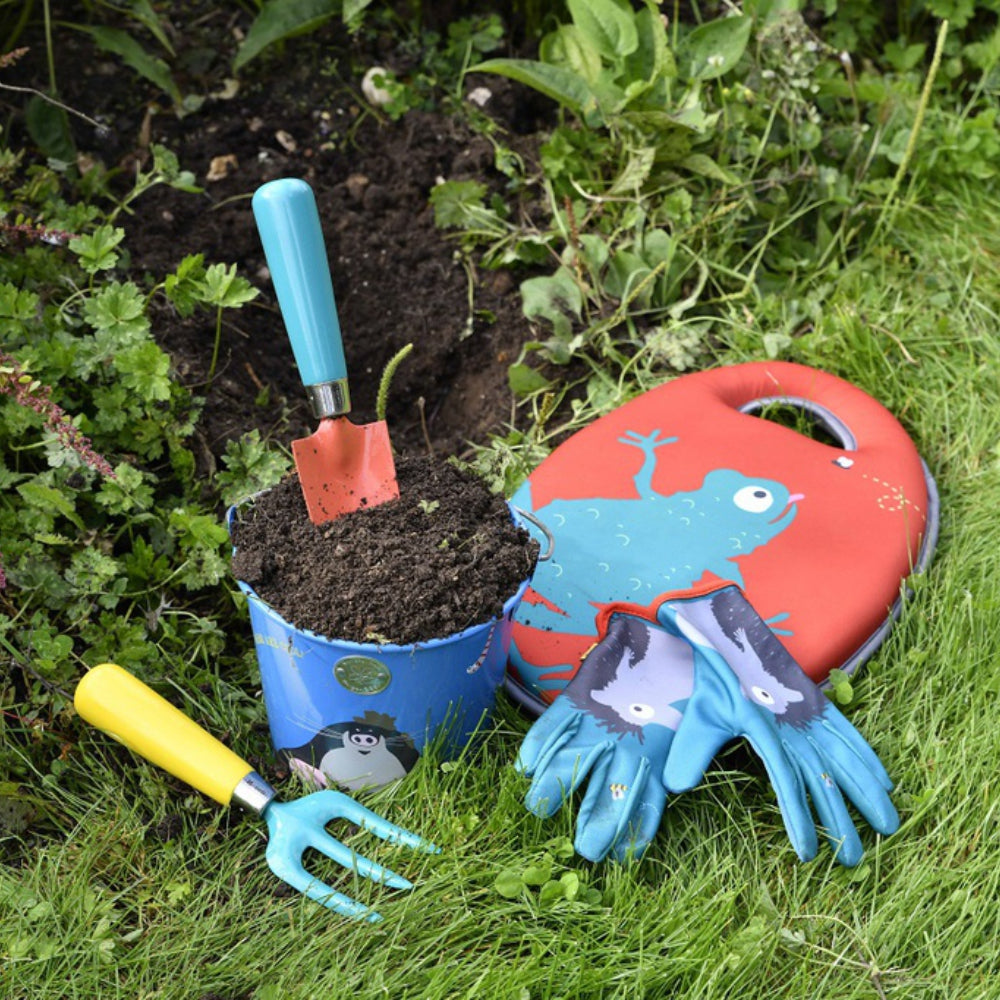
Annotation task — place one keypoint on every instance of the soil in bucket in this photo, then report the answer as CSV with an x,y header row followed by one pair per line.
x,y
443,557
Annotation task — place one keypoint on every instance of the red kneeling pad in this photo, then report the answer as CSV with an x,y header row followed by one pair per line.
x,y
688,485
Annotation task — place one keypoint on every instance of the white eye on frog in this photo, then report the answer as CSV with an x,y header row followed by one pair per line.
x,y
753,499
762,695
641,711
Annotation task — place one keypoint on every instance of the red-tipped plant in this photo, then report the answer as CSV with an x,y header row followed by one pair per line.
x,y
27,391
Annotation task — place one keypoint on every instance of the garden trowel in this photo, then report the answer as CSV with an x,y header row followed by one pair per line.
x,y
118,703
343,466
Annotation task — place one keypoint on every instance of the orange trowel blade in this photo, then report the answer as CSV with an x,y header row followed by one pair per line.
x,y
344,467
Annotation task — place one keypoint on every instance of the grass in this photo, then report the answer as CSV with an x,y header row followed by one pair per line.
x,y
719,907
131,885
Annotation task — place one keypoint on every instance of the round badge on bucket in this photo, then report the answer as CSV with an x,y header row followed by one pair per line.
x,y
362,674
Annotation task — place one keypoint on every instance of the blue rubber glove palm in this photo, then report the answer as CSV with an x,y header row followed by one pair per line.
x,y
612,727
747,684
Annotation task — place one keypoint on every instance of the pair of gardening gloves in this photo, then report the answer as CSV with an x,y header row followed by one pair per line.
x,y
654,701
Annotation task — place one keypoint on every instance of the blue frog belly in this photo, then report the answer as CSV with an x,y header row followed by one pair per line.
x,y
602,550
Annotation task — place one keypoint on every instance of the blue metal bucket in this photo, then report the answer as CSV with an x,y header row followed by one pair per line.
x,y
358,715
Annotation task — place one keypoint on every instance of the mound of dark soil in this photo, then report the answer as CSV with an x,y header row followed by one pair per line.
x,y
298,112
447,547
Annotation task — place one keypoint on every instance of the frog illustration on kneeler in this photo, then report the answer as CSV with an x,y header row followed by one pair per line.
x,y
633,549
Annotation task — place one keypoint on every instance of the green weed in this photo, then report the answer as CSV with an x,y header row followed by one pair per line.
x,y
116,877
109,549
657,246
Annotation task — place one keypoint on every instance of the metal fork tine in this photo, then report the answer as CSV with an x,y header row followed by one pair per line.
x,y
294,873
365,867
344,807
294,827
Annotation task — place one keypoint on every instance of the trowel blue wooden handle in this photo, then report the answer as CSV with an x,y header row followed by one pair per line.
x,y
289,226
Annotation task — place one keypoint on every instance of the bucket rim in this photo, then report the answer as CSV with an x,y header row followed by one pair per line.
x,y
370,648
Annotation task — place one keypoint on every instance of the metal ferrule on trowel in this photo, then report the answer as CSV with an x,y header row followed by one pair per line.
x,y
329,399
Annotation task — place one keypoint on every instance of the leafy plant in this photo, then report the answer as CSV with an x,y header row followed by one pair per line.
x,y
614,67
279,20
109,549
841,689
47,118
547,881
154,68
251,465
442,64
164,168
461,205
897,36
446,58
776,162
641,117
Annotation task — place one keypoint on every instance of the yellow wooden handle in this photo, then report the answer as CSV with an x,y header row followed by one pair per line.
x,y
118,703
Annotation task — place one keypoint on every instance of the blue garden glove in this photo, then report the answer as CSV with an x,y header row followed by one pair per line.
x,y
747,684
612,726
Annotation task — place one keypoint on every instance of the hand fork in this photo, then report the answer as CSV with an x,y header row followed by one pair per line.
x,y
118,703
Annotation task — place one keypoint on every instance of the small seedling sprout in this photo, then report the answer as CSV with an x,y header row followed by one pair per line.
x,y
382,400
